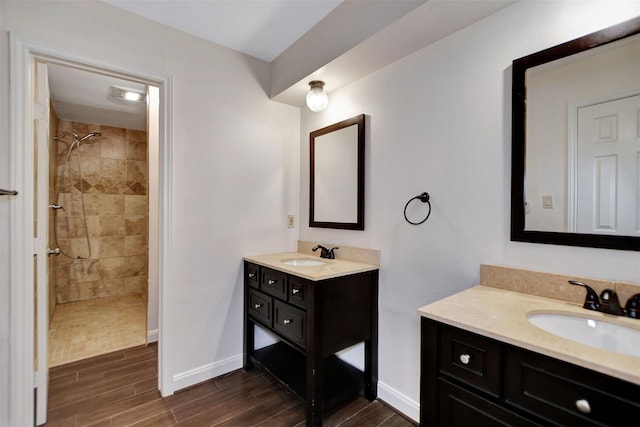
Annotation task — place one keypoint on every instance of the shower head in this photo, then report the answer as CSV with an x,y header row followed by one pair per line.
x,y
89,135
63,134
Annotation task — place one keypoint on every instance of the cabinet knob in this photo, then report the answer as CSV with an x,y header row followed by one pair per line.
x,y
583,406
252,275
286,321
295,291
257,305
271,282
465,359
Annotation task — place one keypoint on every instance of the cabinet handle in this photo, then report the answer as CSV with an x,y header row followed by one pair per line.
x,y
465,359
252,275
271,282
583,406
286,321
257,305
295,291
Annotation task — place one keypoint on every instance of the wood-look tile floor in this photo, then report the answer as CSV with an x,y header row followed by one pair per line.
x,y
120,389
88,328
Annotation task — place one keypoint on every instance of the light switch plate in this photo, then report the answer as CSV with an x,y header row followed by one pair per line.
x,y
291,221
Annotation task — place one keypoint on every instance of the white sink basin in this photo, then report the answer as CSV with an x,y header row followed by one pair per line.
x,y
303,262
596,333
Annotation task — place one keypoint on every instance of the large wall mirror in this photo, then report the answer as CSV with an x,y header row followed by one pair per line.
x,y
576,142
336,197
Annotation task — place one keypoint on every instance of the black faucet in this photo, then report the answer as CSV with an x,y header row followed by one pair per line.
x,y
608,302
324,252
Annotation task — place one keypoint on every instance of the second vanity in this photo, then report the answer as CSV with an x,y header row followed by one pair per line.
x,y
316,307
484,363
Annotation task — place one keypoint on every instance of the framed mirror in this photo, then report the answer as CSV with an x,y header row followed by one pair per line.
x,y
576,142
336,196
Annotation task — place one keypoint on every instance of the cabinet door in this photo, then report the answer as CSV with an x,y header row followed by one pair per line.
x,y
460,408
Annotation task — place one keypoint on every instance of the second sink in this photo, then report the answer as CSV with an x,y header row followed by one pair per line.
x,y
596,333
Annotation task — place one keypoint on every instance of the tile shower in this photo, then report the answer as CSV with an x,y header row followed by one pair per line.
x,y
105,277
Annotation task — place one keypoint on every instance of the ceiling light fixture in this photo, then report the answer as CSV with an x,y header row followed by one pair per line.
x,y
127,94
317,99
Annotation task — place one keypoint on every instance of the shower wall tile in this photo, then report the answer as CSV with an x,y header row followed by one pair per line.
x,y
114,183
111,247
136,170
111,287
135,205
136,224
136,245
136,284
111,204
114,169
112,225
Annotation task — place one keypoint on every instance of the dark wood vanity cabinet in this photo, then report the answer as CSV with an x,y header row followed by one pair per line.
x,y
471,380
314,320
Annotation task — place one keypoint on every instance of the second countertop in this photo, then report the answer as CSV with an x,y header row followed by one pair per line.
x,y
502,315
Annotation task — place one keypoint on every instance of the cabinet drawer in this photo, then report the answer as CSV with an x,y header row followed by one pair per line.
x,y
259,307
568,394
290,322
460,408
252,274
274,283
471,358
297,292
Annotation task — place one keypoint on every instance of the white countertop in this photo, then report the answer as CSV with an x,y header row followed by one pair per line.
x,y
330,269
502,315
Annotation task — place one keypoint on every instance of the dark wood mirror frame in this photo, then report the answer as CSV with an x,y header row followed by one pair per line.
x,y
520,66
358,223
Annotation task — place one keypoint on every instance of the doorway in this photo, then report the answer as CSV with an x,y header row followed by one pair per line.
x,y
23,347
98,214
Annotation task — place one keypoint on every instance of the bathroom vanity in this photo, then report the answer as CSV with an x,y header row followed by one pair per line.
x,y
483,363
315,311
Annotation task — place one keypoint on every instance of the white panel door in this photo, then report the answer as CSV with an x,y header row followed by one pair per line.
x,y
608,182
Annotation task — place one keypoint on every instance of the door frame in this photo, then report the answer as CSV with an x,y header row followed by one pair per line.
x,y
23,55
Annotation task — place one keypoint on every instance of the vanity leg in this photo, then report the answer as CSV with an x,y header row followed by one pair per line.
x,y
248,345
371,347
315,391
370,370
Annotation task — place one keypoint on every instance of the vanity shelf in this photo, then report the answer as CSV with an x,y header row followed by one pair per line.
x,y
314,319
469,379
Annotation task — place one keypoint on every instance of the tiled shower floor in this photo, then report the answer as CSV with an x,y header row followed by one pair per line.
x,y
88,328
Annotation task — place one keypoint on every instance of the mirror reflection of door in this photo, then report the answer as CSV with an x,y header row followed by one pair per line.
x,y
608,157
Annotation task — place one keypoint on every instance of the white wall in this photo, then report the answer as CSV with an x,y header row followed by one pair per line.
x,y
235,158
439,121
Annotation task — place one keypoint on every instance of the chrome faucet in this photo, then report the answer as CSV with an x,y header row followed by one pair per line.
x,y
608,302
324,252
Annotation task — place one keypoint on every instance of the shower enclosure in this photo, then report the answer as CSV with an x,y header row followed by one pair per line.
x,y
99,236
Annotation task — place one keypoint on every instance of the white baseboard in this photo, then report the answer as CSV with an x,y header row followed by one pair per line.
x,y
152,336
388,394
206,372
399,401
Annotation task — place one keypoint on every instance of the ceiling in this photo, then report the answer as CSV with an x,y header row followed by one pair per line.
x,y
351,38
260,28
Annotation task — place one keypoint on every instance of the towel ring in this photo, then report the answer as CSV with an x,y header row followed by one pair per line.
x,y
424,198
